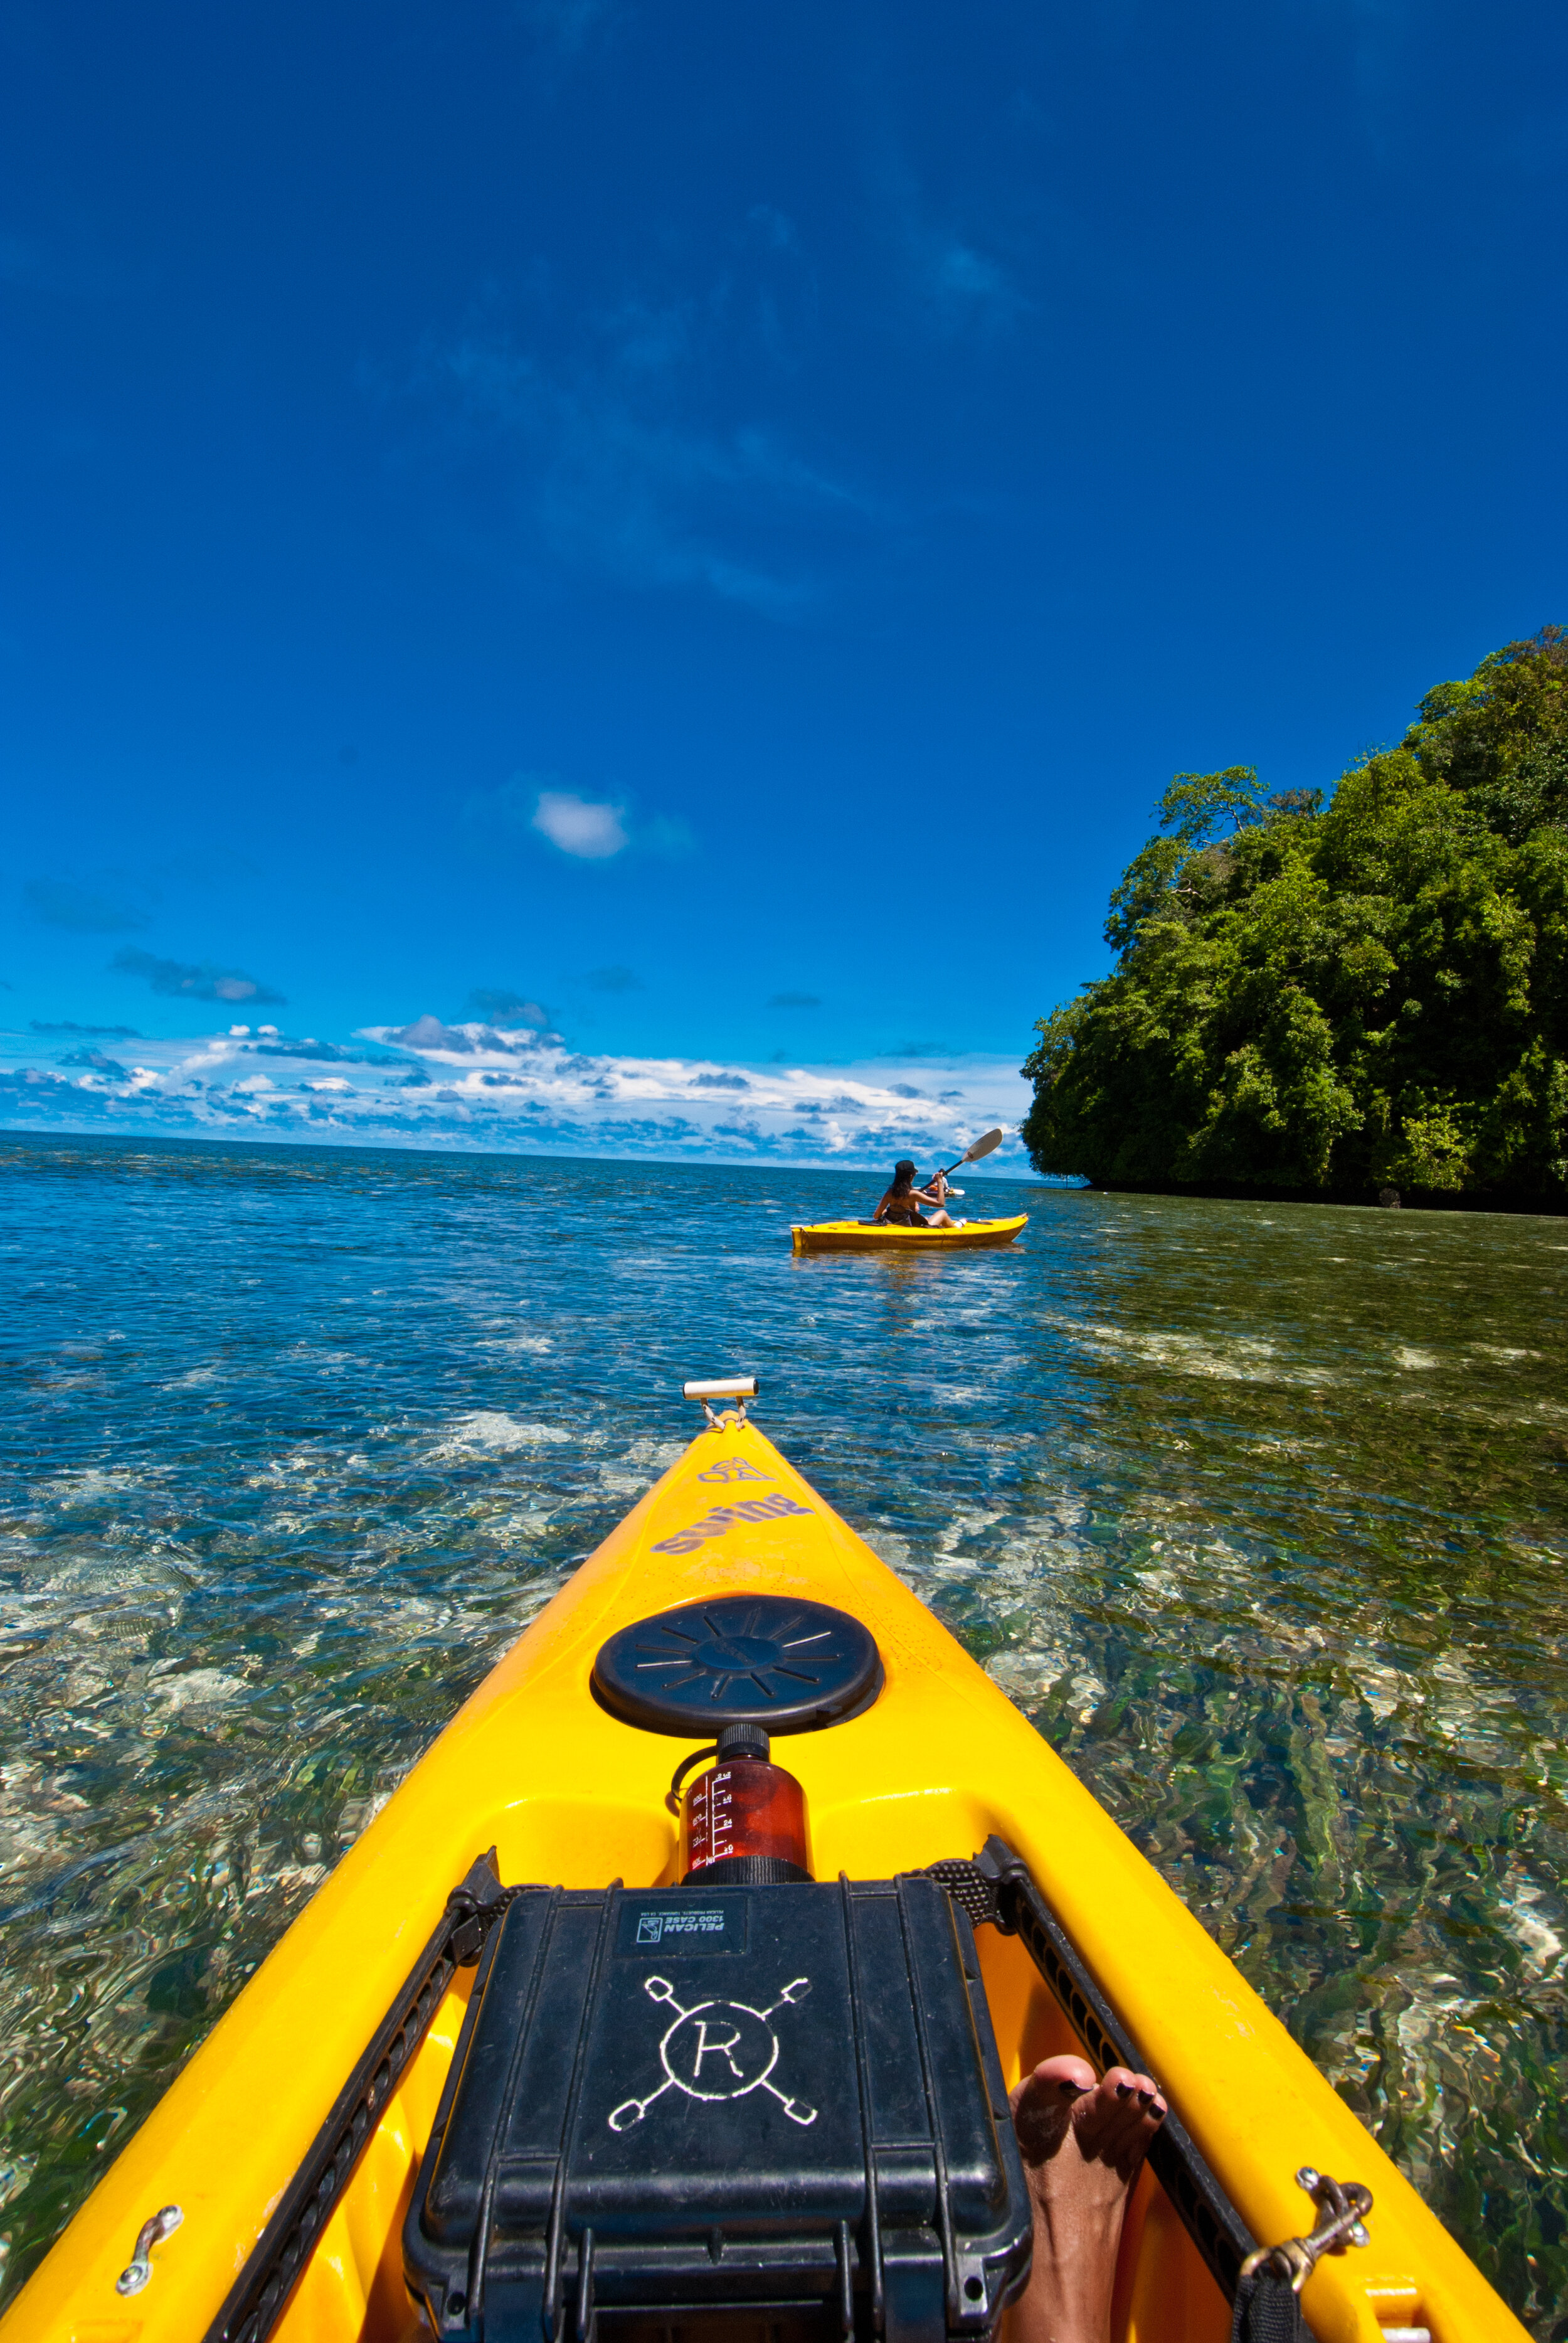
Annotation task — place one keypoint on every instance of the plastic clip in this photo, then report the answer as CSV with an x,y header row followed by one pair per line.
x,y
472,1908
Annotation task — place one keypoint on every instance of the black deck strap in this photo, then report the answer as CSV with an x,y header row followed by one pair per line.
x,y
998,1886
556,2236
867,2119
1268,2310
256,2300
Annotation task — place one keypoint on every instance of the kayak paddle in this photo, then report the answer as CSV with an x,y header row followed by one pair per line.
x,y
981,1147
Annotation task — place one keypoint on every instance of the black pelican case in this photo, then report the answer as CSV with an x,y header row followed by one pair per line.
x,y
743,2115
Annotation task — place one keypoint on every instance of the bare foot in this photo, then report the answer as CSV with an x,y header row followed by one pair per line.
x,y
1083,2144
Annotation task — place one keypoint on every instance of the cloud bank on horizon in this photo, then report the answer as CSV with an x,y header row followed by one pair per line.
x,y
500,1088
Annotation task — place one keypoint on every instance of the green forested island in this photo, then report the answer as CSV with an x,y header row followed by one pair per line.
x,y
1334,999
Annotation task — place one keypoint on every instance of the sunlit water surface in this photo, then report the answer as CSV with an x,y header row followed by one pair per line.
x,y
1257,1510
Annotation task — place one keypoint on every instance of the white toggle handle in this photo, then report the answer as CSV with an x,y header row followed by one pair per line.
x,y
739,1388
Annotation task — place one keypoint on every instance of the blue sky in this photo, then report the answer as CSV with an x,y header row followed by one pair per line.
x,y
704,531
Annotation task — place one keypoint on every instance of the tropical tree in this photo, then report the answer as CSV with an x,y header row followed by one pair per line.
x,y
1332,998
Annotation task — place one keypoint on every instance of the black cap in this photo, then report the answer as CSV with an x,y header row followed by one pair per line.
x,y
772,1660
903,1165
742,1741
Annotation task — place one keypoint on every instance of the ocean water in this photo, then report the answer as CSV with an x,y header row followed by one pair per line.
x,y
1258,1511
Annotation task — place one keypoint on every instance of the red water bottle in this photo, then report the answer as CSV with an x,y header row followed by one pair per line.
x,y
743,1821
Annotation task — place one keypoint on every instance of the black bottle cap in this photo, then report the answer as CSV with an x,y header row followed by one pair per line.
x,y
742,1741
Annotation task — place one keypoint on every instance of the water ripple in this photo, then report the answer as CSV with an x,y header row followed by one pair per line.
x,y
1258,1512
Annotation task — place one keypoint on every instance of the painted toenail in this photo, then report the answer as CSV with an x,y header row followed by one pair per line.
x,y
1072,2090
1124,2090
1146,2098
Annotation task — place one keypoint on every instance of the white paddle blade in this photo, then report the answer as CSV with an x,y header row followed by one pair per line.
x,y
984,1146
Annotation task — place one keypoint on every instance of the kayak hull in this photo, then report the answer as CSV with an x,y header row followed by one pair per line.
x,y
566,1792
862,1236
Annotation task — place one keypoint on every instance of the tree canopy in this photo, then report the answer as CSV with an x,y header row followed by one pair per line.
x,y
1332,998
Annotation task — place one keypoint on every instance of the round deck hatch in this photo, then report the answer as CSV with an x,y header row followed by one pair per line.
x,y
739,1659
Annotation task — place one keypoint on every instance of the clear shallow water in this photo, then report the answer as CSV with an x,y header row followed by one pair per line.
x,y
1258,1511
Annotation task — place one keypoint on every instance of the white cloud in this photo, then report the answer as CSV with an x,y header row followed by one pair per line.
x,y
641,438
593,830
427,1035
578,826
473,1087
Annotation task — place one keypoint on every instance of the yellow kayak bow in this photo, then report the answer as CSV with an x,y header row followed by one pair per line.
x,y
268,2190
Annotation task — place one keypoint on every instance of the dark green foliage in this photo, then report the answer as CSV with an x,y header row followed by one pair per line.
x,y
1332,999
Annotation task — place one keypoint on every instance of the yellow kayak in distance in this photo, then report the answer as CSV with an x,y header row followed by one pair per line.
x,y
308,2167
881,1236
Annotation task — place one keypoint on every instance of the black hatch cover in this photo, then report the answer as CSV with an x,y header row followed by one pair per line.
x,y
739,1659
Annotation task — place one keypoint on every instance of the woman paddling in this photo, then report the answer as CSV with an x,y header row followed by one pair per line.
x,y
901,1204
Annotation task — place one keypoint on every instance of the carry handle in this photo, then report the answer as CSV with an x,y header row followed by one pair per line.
x,y
739,1388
